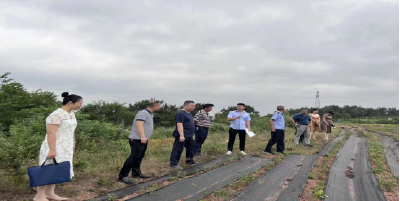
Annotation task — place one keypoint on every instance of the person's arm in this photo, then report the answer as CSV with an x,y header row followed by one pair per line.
x,y
140,119
309,121
180,131
248,119
51,139
140,128
179,119
230,117
294,121
318,119
323,119
271,122
52,124
196,117
233,119
74,142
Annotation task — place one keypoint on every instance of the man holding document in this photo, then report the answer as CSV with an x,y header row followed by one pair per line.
x,y
240,121
277,123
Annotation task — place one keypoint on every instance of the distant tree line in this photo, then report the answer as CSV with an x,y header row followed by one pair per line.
x,y
17,104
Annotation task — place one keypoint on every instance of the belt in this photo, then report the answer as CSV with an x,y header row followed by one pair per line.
x,y
203,127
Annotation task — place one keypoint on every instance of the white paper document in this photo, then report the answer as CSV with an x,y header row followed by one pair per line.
x,y
251,134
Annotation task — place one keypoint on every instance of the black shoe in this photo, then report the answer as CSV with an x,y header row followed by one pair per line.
x,y
310,145
191,162
126,180
143,176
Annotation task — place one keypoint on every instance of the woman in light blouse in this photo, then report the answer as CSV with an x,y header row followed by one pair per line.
x,y
315,124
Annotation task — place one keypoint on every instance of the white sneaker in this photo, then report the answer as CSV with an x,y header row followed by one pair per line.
x,y
228,153
243,153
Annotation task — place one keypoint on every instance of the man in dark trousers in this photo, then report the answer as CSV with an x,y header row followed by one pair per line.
x,y
277,123
303,124
203,123
138,139
183,134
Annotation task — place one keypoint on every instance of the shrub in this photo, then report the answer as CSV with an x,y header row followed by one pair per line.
x,y
218,128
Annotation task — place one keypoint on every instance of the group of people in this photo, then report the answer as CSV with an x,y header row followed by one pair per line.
x,y
190,133
304,124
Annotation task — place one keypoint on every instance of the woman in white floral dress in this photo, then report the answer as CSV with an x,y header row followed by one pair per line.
x,y
60,141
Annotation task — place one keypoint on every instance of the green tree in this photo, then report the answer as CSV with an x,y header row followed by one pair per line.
x,y
14,98
116,113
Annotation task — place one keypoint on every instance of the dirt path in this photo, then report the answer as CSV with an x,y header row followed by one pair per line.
x,y
275,180
202,185
325,151
351,176
391,147
139,187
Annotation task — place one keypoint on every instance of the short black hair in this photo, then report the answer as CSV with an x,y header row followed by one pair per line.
x,y
331,112
187,102
303,109
207,105
314,109
280,108
153,103
242,104
70,97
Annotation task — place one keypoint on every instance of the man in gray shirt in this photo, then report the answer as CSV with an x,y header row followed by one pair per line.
x,y
141,132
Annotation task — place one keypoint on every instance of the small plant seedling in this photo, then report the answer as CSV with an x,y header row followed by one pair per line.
x,y
320,194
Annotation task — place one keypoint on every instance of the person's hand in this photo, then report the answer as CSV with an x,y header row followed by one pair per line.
x,y
143,140
327,124
273,130
249,129
181,139
52,154
238,117
297,124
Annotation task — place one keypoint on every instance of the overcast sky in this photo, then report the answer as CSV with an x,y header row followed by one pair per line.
x,y
262,53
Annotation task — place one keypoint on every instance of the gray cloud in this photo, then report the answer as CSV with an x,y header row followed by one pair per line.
x,y
263,53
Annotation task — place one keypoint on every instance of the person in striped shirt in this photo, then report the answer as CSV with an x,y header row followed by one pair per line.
x,y
203,123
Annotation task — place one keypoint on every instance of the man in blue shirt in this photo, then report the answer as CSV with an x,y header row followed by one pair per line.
x,y
240,119
183,134
303,124
277,123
